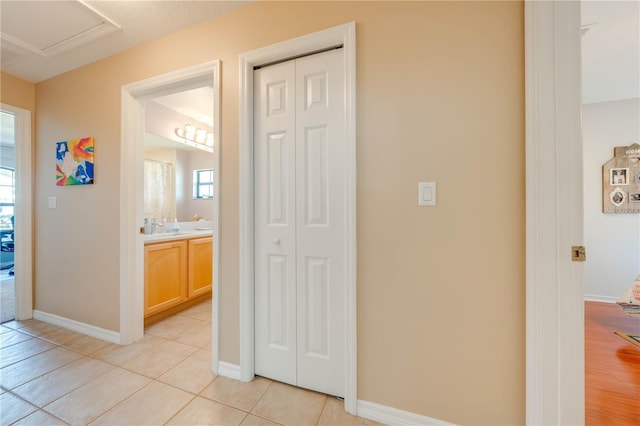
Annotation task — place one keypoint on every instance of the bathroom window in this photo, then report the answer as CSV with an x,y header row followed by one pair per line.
x,y
203,184
7,196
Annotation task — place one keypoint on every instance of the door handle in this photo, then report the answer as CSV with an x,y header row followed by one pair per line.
x,y
276,241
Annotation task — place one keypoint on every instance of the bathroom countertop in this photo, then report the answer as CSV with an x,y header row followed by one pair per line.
x,y
180,235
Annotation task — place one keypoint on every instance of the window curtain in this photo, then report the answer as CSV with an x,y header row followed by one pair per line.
x,y
159,191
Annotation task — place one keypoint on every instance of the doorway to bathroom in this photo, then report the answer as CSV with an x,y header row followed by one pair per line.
x,y
178,201
140,133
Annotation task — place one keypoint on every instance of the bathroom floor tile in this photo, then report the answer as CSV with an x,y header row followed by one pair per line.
x,y
159,359
32,326
13,408
199,335
11,337
203,411
30,368
290,405
62,336
90,401
173,327
23,350
40,418
192,374
252,420
201,311
46,389
87,345
119,354
154,404
235,393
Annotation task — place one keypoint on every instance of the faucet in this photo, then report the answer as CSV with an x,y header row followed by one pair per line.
x,y
155,225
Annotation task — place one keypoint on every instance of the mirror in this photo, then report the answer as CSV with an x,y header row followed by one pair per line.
x,y
174,154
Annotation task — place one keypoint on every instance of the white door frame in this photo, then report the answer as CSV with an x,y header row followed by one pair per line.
x,y
554,218
341,35
132,188
23,213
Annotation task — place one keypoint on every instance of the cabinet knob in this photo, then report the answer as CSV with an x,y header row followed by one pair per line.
x,y
276,241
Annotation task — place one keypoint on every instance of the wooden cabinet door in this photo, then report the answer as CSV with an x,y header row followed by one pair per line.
x,y
200,266
165,275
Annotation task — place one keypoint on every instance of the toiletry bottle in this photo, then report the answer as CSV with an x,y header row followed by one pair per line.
x,y
147,227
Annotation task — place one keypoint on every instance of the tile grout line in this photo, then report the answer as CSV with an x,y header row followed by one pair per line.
x,y
261,396
26,402
324,406
37,408
29,357
181,408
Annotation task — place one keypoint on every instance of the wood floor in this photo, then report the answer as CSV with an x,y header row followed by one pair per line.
x,y
612,367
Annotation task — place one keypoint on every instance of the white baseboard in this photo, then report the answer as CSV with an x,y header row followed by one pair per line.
x,y
226,369
80,327
599,298
394,416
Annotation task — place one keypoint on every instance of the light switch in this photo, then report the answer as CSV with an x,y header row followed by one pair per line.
x,y
52,202
426,193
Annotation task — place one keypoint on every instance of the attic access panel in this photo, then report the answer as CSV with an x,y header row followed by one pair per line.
x,y
48,28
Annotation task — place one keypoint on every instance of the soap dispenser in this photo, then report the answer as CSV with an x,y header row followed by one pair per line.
x,y
176,227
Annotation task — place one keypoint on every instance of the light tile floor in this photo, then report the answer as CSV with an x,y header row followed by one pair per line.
x,y
53,376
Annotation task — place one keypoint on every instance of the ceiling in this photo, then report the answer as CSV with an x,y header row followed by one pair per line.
x,y
195,103
41,39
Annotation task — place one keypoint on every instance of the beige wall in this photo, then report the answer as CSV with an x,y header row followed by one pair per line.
x,y
440,96
17,92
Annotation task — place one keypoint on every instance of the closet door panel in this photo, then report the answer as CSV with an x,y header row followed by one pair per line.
x,y
275,227
321,222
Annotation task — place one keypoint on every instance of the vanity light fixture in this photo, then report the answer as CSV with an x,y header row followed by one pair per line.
x,y
195,137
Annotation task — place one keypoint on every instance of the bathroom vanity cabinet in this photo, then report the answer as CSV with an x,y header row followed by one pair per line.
x,y
176,272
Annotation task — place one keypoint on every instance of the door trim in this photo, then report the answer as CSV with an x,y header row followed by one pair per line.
x,y
343,34
554,221
23,213
131,185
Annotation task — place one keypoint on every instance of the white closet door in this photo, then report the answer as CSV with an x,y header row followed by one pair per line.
x,y
300,222
320,210
275,230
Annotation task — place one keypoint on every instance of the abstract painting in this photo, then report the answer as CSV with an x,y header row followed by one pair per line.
x,y
74,162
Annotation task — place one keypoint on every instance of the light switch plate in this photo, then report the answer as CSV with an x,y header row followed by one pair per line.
x,y
52,202
426,193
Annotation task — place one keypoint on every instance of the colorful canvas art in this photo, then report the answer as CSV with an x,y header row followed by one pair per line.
x,y
74,162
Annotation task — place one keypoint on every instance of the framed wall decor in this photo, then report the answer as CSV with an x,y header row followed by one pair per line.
x,y
74,162
621,181
619,176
